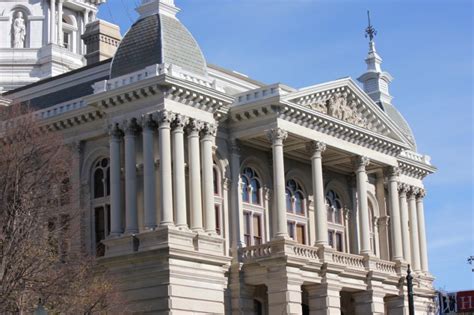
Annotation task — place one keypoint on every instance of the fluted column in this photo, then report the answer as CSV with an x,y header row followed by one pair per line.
x,y
116,224
194,175
415,243
179,175
403,189
277,137
166,189
236,211
421,231
53,22
131,215
60,23
209,134
149,181
395,223
316,149
360,164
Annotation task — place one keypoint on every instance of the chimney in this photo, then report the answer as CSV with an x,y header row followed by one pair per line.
x,y
102,40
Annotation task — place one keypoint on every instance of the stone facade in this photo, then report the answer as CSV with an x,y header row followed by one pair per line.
x,y
212,193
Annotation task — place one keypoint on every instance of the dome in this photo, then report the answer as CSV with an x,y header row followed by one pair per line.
x,y
157,39
401,122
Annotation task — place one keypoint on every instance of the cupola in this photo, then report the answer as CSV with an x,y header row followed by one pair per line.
x,y
158,37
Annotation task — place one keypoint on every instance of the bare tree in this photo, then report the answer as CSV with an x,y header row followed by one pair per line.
x,y
38,222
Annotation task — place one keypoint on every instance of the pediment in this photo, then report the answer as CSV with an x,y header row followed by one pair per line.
x,y
344,100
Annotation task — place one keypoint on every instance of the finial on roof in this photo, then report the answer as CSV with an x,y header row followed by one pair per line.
x,y
370,31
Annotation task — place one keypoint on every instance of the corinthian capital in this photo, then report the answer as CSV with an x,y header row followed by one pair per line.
x,y
360,162
179,122
277,135
414,191
315,147
403,188
147,122
115,131
209,130
164,117
421,194
131,127
194,126
392,171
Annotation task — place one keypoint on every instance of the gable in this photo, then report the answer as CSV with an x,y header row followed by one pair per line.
x,y
344,100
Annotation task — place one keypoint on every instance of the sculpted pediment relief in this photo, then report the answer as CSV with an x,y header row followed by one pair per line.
x,y
341,106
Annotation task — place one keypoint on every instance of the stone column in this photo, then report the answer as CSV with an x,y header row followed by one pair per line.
x,y
369,302
324,299
415,243
166,200
403,189
316,149
179,173
53,22
277,137
284,290
149,180
60,23
361,163
422,231
116,226
397,247
235,210
194,175
131,215
207,142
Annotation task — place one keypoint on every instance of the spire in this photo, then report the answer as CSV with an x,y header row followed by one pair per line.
x,y
150,7
374,80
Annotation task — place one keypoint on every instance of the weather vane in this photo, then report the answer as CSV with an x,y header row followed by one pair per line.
x,y
370,31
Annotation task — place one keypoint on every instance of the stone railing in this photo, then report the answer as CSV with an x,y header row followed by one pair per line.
x,y
349,260
426,159
259,94
149,72
306,251
257,251
386,266
59,109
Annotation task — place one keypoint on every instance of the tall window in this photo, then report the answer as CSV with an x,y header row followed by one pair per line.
x,y
69,31
296,208
101,203
253,207
335,221
218,199
373,230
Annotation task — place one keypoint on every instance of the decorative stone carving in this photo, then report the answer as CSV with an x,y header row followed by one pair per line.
x,y
392,171
315,147
421,193
115,131
194,126
131,127
179,122
361,162
342,107
165,117
19,31
147,122
403,188
209,130
277,135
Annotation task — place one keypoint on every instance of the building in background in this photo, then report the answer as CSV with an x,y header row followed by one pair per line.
x,y
461,302
205,191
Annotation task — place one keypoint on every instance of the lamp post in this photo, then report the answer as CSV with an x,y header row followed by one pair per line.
x,y
411,304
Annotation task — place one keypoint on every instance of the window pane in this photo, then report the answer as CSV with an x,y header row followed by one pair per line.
x,y
289,207
339,246
99,231
107,181
216,182
291,230
245,192
330,219
331,238
257,230
247,229
255,192
338,216
218,219
300,235
299,203
98,183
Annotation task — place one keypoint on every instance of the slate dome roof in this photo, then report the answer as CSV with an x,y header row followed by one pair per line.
x,y
401,122
157,39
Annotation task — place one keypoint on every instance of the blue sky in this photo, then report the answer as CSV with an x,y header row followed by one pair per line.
x,y
427,46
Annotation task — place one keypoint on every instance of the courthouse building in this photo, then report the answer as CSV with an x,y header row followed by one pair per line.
x,y
208,192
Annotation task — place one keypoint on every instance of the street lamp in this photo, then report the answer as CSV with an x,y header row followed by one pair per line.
x,y
411,304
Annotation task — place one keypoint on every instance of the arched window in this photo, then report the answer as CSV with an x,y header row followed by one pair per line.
x,y
250,186
101,203
253,207
295,206
336,226
69,32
